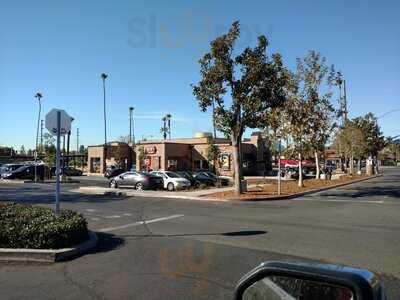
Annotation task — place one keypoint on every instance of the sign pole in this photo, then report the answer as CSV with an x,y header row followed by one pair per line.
x,y
57,204
279,168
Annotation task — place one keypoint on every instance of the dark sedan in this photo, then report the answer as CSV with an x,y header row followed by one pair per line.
x,y
28,172
67,171
198,178
138,180
211,175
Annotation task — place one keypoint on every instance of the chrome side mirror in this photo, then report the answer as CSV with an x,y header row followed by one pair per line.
x,y
308,281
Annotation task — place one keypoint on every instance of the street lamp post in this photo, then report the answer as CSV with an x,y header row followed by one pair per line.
x,y
104,77
131,126
279,165
39,97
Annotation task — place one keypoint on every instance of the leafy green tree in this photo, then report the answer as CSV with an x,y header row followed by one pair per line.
x,y
22,151
317,79
253,81
351,141
309,112
82,149
374,139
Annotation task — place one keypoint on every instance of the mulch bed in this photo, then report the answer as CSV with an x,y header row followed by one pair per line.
x,y
268,188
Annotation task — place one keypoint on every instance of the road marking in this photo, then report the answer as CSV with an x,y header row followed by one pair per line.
x,y
90,210
140,223
127,214
94,219
350,201
112,217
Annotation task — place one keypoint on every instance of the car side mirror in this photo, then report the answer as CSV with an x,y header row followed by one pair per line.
x,y
300,280
121,177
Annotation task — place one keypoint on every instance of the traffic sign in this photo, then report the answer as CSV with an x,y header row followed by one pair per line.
x,y
51,122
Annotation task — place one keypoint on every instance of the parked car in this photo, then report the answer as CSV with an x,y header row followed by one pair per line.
x,y
208,174
138,180
189,176
7,168
28,172
172,181
68,171
112,172
202,179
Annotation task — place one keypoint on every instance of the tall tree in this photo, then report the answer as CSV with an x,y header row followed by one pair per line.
x,y
317,79
352,142
372,132
253,81
22,151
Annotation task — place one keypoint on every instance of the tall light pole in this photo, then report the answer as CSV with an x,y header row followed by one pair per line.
x,y
131,129
39,97
168,116
104,77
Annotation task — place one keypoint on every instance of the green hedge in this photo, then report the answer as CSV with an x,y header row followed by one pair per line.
x,y
24,226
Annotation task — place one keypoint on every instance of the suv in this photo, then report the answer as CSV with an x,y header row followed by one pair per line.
x,y
172,180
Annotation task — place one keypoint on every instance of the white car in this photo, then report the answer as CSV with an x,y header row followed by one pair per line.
x,y
172,180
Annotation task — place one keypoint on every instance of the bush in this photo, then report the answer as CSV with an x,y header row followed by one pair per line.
x,y
23,226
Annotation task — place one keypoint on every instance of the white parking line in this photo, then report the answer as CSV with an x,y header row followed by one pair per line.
x,y
139,223
349,201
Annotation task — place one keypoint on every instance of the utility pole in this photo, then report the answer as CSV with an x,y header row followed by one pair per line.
x,y
39,97
77,140
41,133
344,101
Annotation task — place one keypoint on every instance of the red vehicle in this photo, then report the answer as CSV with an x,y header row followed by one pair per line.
x,y
294,163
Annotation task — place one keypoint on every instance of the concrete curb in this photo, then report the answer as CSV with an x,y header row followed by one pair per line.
x,y
48,255
309,192
20,181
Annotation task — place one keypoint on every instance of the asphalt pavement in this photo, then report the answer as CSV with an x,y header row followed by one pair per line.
x,y
158,248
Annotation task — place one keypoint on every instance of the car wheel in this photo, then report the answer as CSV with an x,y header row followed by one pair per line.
x,y
113,184
170,187
139,186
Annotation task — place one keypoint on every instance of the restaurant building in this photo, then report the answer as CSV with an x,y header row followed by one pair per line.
x,y
193,154
112,154
183,154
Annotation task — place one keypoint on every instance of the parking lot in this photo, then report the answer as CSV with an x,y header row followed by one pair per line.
x,y
164,247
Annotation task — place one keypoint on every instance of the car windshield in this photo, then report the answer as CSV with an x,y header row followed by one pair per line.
x,y
22,168
173,175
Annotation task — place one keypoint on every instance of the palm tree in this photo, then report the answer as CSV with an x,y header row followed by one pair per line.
x,y
39,97
168,117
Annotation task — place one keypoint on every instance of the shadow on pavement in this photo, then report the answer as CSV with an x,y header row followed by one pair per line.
x,y
367,192
107,242
233,234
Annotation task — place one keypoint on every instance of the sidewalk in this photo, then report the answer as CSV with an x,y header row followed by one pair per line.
x,y
191,195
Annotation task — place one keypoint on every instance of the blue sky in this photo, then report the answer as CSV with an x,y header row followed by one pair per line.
x,y
150,50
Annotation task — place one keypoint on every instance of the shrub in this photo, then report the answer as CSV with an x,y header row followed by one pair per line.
x,y
24,226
